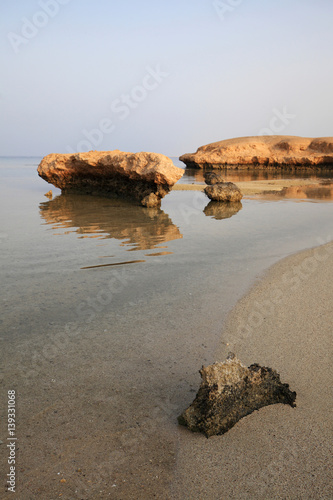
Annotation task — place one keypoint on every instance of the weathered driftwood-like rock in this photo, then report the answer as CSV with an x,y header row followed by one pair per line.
x,y
229,391
144,177
226,191
268,151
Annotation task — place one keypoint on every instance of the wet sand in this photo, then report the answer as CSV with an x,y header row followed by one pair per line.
x,y
99,419
285,322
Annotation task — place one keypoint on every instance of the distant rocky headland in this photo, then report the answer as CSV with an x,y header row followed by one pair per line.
x,y
273,151
143,177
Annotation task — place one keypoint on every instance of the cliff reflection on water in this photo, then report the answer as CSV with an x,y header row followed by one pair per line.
x,y
322,191
196,175
92,217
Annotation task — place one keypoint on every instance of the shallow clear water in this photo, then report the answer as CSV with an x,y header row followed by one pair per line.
x,y
53,245
110,309
196,175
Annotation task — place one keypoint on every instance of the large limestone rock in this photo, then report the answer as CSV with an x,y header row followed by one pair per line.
x,y
144,177
229,391
288,152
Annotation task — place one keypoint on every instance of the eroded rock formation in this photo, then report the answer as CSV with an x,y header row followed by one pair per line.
x,y
288,152
218,190
228,191
229,391
144,177
212,178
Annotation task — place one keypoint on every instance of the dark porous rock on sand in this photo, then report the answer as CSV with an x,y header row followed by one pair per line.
x,y
229,391
269,151
221,211
144,177
226,191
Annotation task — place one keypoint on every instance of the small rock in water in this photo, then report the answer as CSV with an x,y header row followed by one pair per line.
x,y
229,391
226,191
150,201
49,194
212,178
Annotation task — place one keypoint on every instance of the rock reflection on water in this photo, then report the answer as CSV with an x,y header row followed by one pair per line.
x,y
196,175
219,210
323,191
91,217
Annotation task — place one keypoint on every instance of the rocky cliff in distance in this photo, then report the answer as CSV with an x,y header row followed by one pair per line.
x,y
271,151
144,177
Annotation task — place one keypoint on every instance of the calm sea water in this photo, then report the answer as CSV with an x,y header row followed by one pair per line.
x,y
195,175
51,247
108,310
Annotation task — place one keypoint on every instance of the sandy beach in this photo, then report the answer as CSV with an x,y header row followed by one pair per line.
x,y
102,420
284,322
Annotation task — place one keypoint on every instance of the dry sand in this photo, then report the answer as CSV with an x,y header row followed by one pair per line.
x,y
285,322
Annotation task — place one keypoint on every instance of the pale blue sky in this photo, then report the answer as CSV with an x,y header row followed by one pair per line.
x,y
163,76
